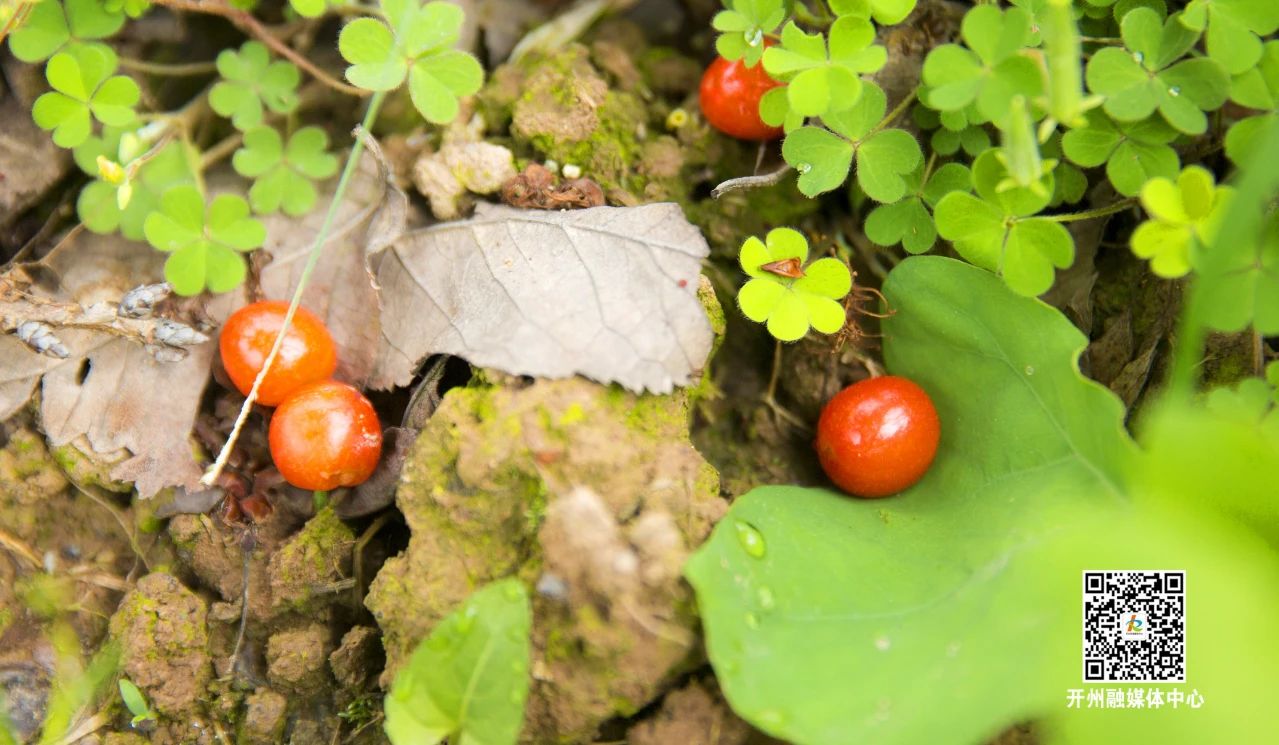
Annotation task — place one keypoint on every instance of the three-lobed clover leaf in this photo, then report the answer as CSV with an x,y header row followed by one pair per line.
x,y
1184,216
886,12
1232,28
822,73
910,220
823,156
990,70
1134,152
1146,76
152,173
1257,88
995,230
417,45
787,295
52,25
84,89
952,130
250,82
742,27
283,173
205,245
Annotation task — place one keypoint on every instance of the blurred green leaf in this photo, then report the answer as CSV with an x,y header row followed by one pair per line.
x,y
823,73
283,175
51,25
1133,152
1232,29
308,8
1183,218
251,82
98,205
468,680
84,90
910,221
742,27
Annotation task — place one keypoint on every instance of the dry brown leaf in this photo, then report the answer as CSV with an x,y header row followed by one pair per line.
x,y
609,293
111,393
29,161
342,290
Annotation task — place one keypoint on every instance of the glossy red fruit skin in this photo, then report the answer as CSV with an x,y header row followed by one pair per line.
x,y
730,95
324,436
878,436
307,355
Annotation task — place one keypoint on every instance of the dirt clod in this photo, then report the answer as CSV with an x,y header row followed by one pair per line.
x,y
295,658
264,717
691,716
357,658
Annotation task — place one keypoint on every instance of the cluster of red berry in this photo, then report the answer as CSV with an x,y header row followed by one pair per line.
x,y
324,434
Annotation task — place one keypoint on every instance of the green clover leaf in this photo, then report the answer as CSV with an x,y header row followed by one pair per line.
x,y
1257,88
251,81
910,220
791,305
886,12
1134,152
823,156
1146,76
990,71
308,8
283,173
51,25
742,27
994,229
417,45
99,204
131,8
1244,287
1183,218
1232,29
1069,182
205,245
84,90
952,130
824,77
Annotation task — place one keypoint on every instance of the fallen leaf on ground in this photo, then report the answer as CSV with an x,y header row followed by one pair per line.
x,y
29,161
609,293
342,290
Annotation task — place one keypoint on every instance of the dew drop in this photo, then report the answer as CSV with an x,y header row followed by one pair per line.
x,y
1175,90
804,168
1139,57
754,37
751,539
752,621
1030,370
467,619
766,599
883,643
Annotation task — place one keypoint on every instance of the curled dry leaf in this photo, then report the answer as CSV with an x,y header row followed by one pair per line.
x,y
536,188
342,291
110,392
609,293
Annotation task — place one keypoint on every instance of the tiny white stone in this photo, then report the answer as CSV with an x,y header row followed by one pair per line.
x,y
571,171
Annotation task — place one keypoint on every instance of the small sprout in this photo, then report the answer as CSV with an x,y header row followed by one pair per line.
x,y
787,295
40,337
205,244
251,82
136,702
83,90
140,302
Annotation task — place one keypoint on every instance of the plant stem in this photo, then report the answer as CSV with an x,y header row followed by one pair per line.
x,y
1109,209
312,259
319,499
159,68
892,115
221,150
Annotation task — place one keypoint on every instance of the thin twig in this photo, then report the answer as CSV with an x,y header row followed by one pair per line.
x,y
221,150
252,26
179,69
751,182
19,548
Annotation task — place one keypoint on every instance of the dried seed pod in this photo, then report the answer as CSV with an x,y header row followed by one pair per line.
x,y
40,337
175,334
140,302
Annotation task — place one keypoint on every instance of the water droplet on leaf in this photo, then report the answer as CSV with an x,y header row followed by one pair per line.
x,y
883,643
1030,370
751,539
766,599
804,168
467,619
754,36
1175,90
1139,57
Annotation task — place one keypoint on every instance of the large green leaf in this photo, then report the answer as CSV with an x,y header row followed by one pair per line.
x,y
914,609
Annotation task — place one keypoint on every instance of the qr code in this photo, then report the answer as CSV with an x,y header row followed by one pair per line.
x,y
1135,626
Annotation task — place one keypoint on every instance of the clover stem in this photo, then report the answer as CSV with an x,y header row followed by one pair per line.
x,y
221,150
352,162
770,395
1109,209
320,498
173,70
897,111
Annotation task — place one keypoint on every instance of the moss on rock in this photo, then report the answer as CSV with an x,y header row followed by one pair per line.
x,y
163,635
316,557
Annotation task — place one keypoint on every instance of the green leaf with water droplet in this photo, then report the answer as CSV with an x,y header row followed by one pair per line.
x,y
468,680
904,609
742,28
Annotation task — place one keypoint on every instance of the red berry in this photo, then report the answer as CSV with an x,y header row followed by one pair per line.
x,y
878,436
730,95
325,435
307,355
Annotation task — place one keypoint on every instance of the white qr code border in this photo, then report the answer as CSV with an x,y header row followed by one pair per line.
x,y
1105,673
